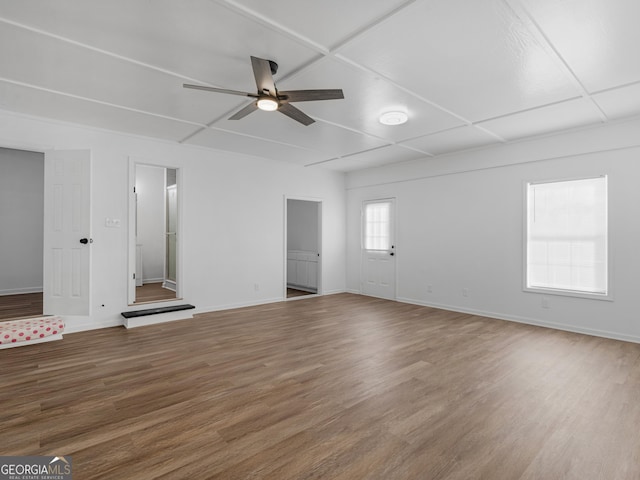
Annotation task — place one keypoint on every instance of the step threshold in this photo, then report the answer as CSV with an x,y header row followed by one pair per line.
x,y
156,311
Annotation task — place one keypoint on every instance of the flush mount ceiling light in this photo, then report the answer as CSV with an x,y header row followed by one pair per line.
x,y
267,104
393,118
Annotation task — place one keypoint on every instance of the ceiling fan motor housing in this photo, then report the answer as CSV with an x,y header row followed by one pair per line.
x,y
274,67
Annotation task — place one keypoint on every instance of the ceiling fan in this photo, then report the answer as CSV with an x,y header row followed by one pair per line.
x,y
268,98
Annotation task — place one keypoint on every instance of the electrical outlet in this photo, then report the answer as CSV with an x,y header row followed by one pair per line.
x,y
545,302
465,292
256,287
429,288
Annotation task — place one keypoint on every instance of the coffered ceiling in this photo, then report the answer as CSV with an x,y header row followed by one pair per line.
x,y
468,73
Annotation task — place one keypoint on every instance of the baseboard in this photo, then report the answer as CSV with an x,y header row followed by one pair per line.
x,y
333,292
152,280
20,291
527,320
75,324
169,285
232,306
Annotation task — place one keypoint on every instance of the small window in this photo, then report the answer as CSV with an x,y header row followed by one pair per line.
x,y
566,238
377,225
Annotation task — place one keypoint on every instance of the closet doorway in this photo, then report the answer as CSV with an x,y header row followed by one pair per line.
x,y
21,234
303,220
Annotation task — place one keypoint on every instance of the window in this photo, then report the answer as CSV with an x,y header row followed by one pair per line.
x,y
567,236
377,225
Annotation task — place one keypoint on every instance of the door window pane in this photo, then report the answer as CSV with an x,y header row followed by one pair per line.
x,y
377,222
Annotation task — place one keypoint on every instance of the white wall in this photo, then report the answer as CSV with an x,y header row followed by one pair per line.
x,y
21,221
302,225
151,193
461,229
232,216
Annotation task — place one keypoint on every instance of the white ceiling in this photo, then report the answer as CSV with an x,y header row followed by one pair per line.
x,y
469,73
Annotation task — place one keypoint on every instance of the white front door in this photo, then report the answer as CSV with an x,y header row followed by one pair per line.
x,y
67,239
378,249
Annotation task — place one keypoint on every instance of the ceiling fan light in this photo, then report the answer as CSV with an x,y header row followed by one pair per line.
x,y
267,104
393,118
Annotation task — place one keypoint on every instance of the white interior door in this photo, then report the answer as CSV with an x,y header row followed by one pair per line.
x,y
67,237
378,249
135,250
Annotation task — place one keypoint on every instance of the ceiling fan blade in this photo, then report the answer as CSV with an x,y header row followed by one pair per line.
x,y
262,73
298,115
219,90
244,112
310,95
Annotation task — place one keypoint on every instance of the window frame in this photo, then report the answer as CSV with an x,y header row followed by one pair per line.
x,y
608,296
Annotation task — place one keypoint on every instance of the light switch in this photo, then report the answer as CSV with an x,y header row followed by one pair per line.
x,y
112,222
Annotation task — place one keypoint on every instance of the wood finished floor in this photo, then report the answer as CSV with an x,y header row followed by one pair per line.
x,y
153,292
335,387
294,292
20,306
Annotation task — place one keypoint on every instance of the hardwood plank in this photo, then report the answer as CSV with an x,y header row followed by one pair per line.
x,y
341,387
153,292
24,305
294,292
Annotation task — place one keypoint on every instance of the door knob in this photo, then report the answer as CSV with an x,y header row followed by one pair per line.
x,y
84,241
392,254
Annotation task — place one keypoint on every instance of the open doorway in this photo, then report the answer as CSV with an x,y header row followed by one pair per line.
x,y
21,234
303,241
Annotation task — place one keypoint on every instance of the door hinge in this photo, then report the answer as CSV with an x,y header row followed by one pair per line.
x,y
134,276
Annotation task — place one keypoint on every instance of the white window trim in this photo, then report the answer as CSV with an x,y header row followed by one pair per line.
x,y
557,291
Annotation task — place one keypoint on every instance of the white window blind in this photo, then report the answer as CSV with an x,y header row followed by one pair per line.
x,y
567,235
377,223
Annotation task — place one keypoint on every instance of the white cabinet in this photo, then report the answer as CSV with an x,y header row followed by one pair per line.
x,y
302,270
312,274
292,272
